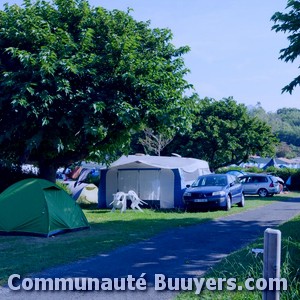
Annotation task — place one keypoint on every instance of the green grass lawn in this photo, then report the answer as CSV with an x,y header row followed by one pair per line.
x,y
24,255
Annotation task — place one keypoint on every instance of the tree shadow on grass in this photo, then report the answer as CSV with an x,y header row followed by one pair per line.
x,y
178,252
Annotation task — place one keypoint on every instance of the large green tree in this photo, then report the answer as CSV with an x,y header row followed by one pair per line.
x,y
223,133
76,81
289,23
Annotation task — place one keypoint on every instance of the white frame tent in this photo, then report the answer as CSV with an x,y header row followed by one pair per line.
x,y
158,180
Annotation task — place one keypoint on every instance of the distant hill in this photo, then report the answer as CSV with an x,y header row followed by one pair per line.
x,y
285,123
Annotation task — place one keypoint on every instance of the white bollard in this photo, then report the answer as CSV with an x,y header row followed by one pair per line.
x,y
272,255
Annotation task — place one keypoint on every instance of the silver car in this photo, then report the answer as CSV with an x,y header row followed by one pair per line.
x,y
260,184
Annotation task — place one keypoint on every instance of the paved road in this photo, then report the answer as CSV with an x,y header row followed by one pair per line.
x,y
185,252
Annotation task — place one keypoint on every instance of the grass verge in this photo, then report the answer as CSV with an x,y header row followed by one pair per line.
x,y
243,264
24,255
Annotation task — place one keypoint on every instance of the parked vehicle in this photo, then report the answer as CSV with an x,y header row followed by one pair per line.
x,y
214,190
260,184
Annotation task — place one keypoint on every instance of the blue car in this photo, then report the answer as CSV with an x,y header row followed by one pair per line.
x,y
214,190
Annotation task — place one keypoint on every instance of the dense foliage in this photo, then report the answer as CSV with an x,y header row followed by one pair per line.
x,y
285,125
77,81
224,133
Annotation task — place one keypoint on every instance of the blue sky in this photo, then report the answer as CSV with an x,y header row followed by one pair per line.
x,y
233,50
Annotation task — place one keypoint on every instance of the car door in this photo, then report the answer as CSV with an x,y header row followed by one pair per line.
x,y
235,188
249,184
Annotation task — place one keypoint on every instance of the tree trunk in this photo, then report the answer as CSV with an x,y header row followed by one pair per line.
x,y
47,171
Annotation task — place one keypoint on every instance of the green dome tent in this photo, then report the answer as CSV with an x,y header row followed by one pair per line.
x,y
39,207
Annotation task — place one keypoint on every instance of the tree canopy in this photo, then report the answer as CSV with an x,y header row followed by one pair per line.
x,y
223,133
76,81
289,23
285,124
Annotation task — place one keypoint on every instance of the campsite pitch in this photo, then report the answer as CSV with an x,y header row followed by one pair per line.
x,y
108,231
185,251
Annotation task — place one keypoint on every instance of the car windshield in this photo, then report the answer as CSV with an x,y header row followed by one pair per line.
x,y
210,181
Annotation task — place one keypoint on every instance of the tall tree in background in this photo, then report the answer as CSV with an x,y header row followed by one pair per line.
x,y
289,23
223,133
77,81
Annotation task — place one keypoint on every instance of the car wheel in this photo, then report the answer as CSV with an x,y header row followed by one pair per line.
x,y
228,203
263,193
242,203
